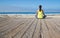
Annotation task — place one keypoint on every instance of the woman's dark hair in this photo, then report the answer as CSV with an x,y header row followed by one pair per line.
x,y
40,7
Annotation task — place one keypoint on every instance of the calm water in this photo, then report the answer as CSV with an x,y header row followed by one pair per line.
x,y
28,12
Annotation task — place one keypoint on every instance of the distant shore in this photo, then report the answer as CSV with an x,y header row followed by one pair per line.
x,y
27,15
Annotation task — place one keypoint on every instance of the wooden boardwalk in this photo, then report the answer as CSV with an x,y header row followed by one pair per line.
x,y
30,28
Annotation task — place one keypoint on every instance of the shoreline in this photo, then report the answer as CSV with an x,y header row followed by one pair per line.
x,y
27,15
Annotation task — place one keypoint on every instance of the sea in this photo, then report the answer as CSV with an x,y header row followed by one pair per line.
x,y
28,12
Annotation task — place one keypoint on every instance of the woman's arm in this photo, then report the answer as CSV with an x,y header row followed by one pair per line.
x,y
36,13
43,12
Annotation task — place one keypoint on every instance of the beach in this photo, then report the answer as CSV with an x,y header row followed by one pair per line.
x,y
28,26
28,15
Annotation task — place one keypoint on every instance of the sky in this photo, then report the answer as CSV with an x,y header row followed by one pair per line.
x,y
28,5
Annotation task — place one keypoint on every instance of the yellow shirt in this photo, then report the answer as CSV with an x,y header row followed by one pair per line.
x,y
40,14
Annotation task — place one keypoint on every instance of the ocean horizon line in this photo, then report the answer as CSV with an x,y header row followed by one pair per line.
x,y
28,12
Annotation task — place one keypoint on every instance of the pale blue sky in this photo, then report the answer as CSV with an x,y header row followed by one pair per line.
x,y
29,5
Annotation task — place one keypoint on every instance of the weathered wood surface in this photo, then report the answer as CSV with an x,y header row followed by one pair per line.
x,y
30,28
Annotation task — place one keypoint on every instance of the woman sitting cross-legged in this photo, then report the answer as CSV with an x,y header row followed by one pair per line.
x,y
40,14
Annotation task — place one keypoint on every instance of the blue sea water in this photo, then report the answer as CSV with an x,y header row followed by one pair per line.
x,y
28,12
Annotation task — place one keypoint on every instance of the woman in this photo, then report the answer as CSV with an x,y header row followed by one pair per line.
x,y
40,13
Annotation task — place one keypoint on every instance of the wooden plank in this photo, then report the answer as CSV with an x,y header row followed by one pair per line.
x,y
45,29
17,29
56,29
52,29
2,20
23,31
10,24
6,30
37,30
30,28
57,22
30,32
6,22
